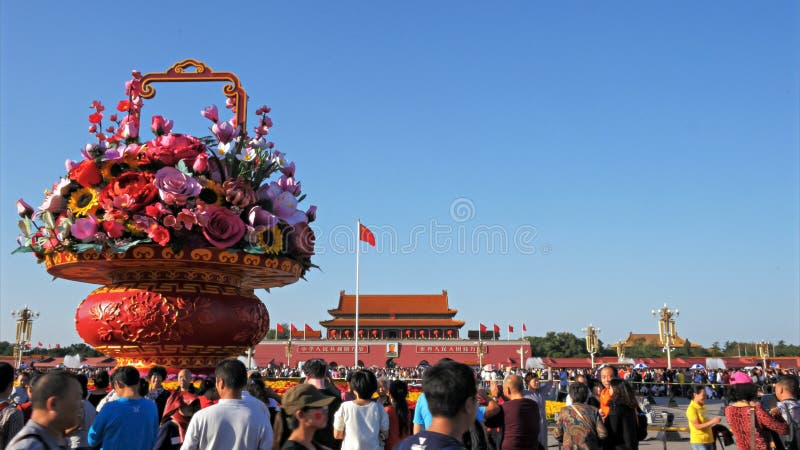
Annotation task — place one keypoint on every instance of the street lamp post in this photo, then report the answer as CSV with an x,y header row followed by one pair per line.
x,y
480,354
25,319
592,342
763,351
288,352
666,329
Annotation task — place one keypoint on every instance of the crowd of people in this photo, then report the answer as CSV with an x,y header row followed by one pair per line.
x,y
459,408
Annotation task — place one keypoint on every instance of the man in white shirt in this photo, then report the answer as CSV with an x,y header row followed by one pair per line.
x,y
233,423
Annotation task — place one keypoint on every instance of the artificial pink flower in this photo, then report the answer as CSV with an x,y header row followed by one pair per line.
x,y
200,163
174,186
171,148
210,113
155,210
93,129
312,213
160,126
187,218
223,228
97,105
24,209
288,169
224,131
84,228
258,216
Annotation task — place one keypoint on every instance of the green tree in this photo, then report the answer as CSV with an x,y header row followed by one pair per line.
x,y
558,345
285,335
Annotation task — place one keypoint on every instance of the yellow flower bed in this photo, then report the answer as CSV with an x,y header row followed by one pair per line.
x,y
552,407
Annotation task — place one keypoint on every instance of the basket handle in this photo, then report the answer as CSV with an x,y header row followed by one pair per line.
x,y
181,72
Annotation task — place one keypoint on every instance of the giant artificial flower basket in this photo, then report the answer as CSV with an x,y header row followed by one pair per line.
x,y
178,231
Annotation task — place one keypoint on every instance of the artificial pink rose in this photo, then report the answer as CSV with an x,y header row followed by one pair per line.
x,y
171,148
200,163
84,228
174,186
222,227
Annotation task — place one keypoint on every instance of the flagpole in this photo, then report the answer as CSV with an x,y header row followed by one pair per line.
x,y
358,251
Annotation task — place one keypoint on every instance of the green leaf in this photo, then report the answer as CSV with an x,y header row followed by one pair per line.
x,y
49,220
86,247
254,249
22,250
182,167
301,198
25,226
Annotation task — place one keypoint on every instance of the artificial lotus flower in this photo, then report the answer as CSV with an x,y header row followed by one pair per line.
x,y
258,216
285,206
288,169
224,148
24,209
312,213
160,126
210,113
225,131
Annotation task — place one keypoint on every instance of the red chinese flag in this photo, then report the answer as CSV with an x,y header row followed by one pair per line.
x,y
496,329
40,344
309,329
524,328
281,329
483,328
365,235
510,329
294,329
58,345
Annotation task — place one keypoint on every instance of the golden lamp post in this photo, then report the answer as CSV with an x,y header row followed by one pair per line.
x,y
288,352
666,330
763,351
481,351
592,342
25,319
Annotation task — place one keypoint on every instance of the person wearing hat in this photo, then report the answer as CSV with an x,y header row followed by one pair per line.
x,y
306,409
745,415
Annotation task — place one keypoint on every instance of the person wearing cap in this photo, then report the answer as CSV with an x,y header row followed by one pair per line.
x,y
744,409
306,409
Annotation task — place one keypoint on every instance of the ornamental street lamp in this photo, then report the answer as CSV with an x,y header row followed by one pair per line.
x,y
481,352
763,351
666,330
288,352
24,328
592,342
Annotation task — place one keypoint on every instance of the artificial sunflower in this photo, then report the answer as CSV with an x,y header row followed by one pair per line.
x,y
271,241
84,201
212,193
111,170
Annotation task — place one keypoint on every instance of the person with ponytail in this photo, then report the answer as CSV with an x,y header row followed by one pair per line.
x,y
399,414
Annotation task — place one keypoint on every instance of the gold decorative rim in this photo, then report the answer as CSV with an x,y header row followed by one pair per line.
x,y
256,271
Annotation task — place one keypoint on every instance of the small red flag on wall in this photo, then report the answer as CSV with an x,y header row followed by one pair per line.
x,y
366,235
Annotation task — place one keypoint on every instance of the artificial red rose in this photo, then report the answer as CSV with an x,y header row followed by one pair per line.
x,y
131,191
113,228
171,148
222,227
86,173
158,234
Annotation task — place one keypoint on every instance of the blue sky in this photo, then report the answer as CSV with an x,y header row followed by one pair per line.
x,y
630,153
